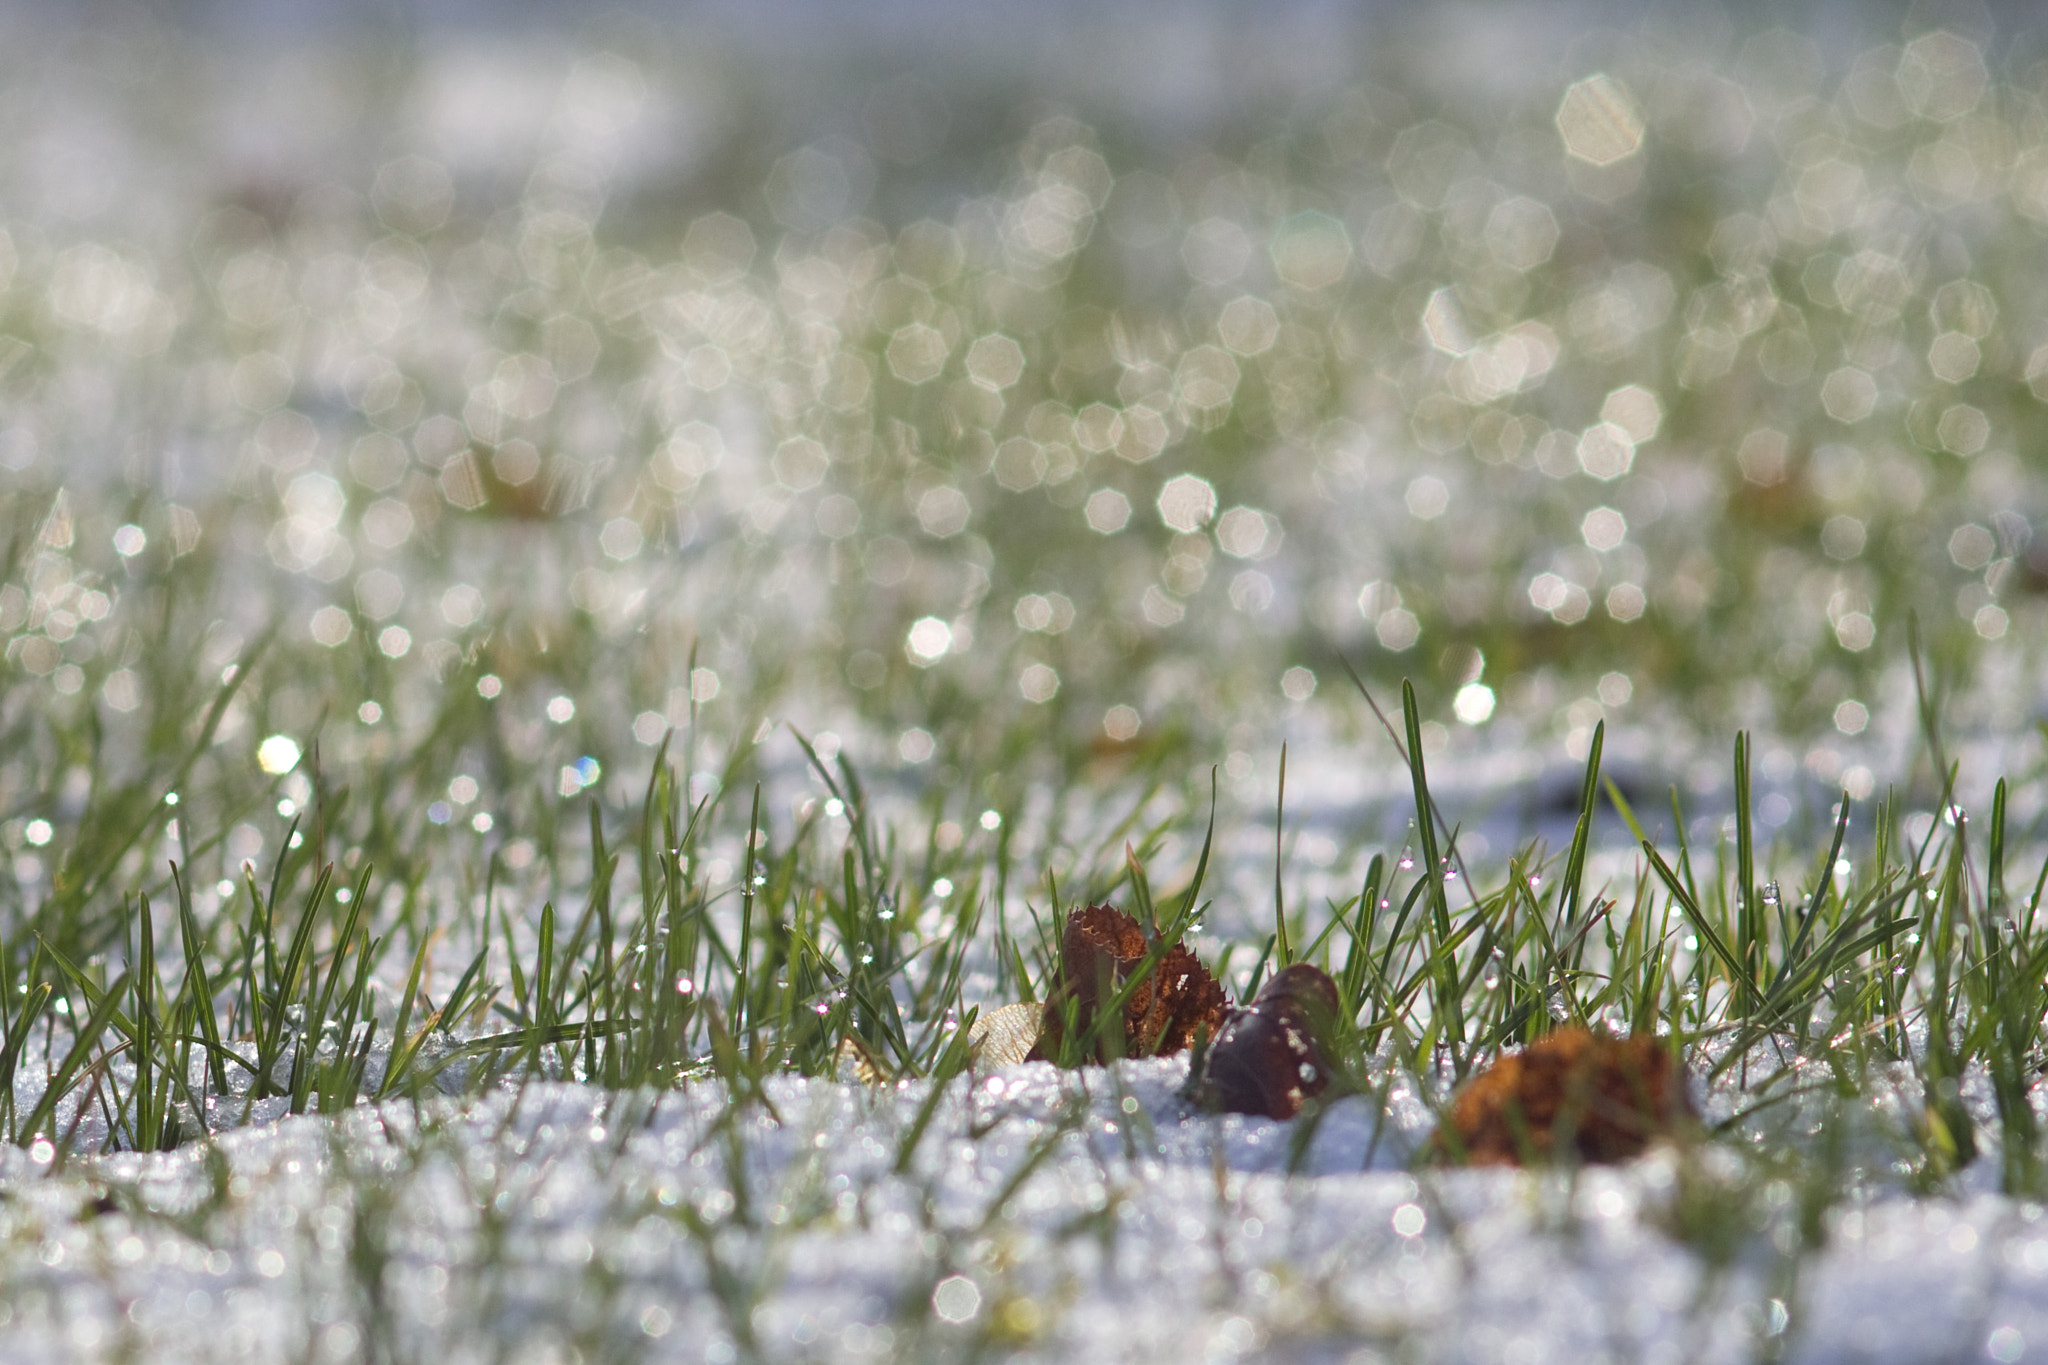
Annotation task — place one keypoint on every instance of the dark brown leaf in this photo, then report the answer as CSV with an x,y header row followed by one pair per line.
x,y
1274,1055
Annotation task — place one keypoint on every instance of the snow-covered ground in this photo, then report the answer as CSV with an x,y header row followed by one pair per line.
x,y
1087,1216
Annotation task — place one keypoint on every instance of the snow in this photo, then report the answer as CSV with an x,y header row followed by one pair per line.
x,y
1084,1216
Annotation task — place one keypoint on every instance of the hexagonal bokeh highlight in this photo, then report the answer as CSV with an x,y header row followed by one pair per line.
x,y
1598,121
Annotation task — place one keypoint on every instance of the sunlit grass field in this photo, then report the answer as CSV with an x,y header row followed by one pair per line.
x,y
581,609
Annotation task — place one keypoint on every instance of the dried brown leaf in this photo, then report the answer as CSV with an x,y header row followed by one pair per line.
x,y
1099,948
1573,1094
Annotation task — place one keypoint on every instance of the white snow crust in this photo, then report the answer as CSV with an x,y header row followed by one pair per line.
x,y
1088,1216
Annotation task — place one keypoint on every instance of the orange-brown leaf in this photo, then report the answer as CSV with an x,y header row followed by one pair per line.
x,y
1572,1094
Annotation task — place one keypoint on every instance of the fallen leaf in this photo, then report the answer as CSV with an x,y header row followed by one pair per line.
x,y
1272,1056
1099,948
1004,1037
1573,1094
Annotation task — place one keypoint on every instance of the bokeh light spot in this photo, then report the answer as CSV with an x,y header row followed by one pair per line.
x,y
1187,502
1108,511
1598,120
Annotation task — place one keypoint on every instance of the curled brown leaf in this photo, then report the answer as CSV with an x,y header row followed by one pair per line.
x,y
1101,947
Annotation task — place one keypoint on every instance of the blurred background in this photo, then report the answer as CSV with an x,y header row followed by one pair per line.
x,y
1031,393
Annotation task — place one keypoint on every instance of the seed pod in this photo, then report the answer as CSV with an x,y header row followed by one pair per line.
x,y
1274,1055
1573,1095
